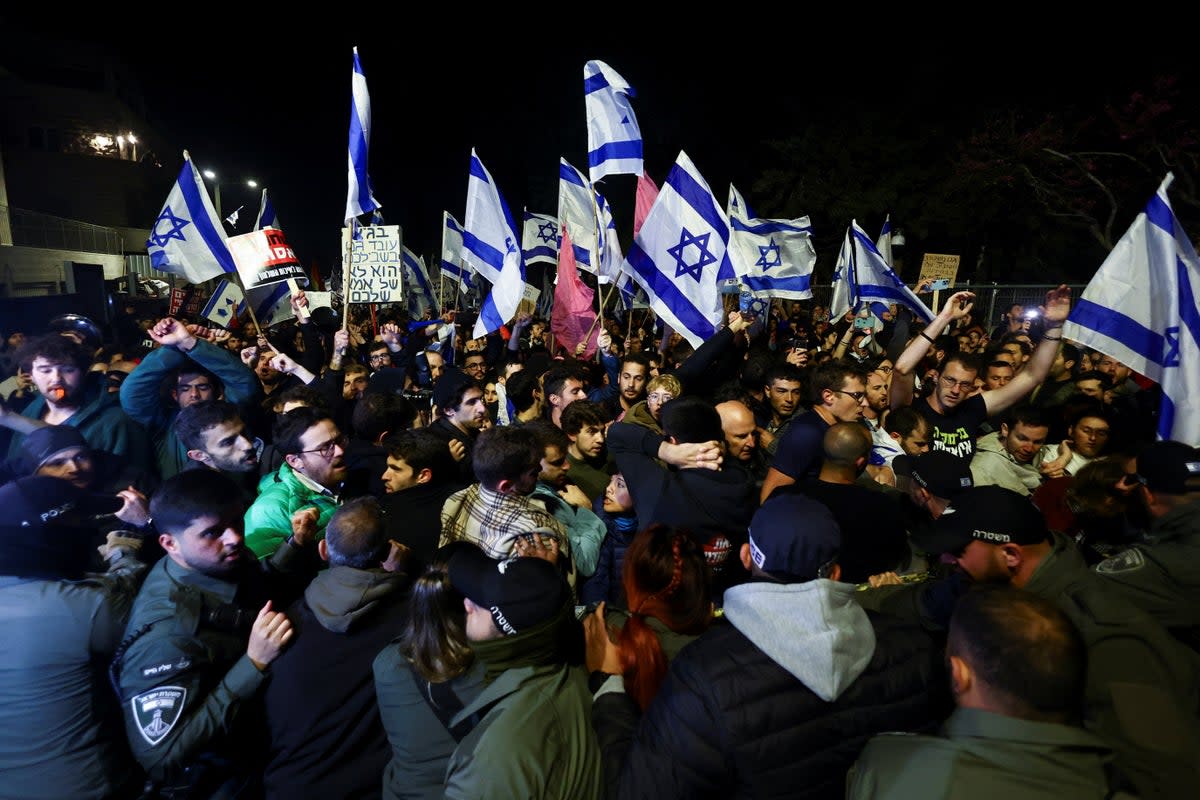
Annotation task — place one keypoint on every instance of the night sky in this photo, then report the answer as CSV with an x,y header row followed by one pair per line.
x,y
247,98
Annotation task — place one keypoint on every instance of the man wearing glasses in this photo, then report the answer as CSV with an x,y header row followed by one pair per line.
x,y
839,394
308,481
953,412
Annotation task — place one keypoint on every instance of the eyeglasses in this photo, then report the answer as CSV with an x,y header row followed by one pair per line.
x,y
949,383
379,356
326,450
858,396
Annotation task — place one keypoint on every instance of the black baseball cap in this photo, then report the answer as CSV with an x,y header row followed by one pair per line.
x,y
990,514
1170,467
937,472
520,593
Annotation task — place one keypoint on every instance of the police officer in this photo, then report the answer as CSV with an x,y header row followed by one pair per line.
x,y
201,636
1162,576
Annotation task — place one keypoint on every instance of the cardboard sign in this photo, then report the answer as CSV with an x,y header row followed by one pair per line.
x,y
529,298
264,257
935,267
376,264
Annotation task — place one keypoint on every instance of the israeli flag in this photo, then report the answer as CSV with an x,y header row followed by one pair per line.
x,y
453,265
422,298
884,243
490,245
614,139
272,303
1141,309
267,218
576,211
225,304
611,258
540,238
773,257
360,199
862,276
680,256
187,239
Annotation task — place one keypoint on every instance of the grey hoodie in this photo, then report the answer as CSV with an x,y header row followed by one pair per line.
x,y
814,630
339,596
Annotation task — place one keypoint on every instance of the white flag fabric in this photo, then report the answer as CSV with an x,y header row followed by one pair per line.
x,y
225,304
187,239
884,243
614,139
611,258
540,238
1141,309
575,199
680,255
267,218
861,276
490,245
843,289
453,265
420,295
272,303
773,257
360,199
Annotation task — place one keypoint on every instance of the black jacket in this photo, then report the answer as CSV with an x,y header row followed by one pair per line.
x,y
731,721
326,737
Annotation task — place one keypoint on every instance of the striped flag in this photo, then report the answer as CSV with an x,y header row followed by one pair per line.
x,y
360,199
453,265
680,256
539,239
490,244
773,257
420,298
225,304
575,211
1141,309
267,218
187,239
862,276
614,138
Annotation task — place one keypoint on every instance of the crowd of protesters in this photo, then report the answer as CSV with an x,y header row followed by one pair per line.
x,y
813,557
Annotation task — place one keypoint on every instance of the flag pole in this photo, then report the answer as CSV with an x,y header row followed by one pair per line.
x,y
253,316
346,276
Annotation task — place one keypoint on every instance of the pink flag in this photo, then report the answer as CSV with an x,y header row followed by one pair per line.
x,y
647,192
572,317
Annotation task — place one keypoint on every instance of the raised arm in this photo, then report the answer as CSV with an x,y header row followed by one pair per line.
x,y
901,394
1058,306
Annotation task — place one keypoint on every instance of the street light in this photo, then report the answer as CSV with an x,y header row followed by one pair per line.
x,y
212,176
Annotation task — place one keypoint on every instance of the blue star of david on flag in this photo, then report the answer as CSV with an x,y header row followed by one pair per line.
x,y
548,232
687,239
176,232
769,256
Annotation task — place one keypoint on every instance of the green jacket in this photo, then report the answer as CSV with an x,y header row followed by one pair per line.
x,y
60,727
536,741
421,745
269,518
1143,687
1162,577
101,421
142,399
983,756
184,675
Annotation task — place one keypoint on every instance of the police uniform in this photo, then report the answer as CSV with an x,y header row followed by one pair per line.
x,y
184,678
1162,577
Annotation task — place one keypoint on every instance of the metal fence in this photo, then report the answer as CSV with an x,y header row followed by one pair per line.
x,y
35,229
991,300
